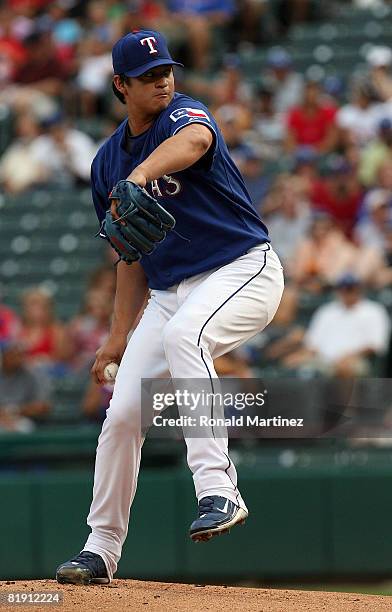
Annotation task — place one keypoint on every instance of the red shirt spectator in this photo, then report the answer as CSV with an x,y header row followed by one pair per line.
x,y
312,123
311,128
339,194
45,338
43,65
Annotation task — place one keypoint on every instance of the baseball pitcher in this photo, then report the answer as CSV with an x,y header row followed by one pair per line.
x,y
172,203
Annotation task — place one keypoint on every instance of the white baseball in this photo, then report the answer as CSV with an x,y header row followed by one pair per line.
x,y
110,372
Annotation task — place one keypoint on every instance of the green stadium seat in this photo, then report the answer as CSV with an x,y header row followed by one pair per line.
x,y
47,237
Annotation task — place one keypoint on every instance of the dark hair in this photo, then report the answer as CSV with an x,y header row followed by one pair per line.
x,y
117,93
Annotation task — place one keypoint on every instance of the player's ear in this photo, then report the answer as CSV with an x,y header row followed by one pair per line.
x,y
118,83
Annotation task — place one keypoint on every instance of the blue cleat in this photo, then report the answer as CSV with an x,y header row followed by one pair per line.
x,y
86,568
216,516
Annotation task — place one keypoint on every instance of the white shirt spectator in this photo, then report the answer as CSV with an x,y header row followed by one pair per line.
x,y
288,92
369,235
19,169
94,73
65,163
336,331
362,122
288,232
370,231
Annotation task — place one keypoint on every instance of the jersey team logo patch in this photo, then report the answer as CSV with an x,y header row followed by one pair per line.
x,y
192,113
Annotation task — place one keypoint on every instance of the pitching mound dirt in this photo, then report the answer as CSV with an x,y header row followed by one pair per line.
x,y
160,596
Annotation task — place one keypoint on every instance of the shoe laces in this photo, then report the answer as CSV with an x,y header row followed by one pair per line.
x,y
206,505
86,555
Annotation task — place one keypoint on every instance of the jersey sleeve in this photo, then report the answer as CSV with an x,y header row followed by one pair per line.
x,y
187,112
181,117
98,191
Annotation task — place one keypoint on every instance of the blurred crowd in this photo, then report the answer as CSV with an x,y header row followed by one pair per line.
x,y
37,349
316,156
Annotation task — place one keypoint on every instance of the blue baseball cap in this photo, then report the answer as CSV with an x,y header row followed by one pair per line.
x,y
385,125
305,154
278,57
347,280
139,51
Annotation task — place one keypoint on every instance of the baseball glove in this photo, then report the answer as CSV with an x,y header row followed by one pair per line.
x,y
142,223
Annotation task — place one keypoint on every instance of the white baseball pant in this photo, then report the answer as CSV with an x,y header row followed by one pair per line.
x,y
180,333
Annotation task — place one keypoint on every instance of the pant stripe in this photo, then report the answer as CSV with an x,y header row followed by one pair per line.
x,y
233,294
205,363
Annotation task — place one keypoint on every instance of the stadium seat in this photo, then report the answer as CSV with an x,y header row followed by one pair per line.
x,y
47,237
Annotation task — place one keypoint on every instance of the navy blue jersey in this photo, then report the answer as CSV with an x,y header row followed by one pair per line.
x,y
215,218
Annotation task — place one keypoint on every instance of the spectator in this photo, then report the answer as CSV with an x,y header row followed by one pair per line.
x,y
230,87
24,396
233,120
26,100
256,183
43,69
305,165
272,200
287,84
103,279
98,24
19,170
38,82
379,59
48,347
333,90
312,123
252,23
93,77
326,254
371,230
346,334
339,193
29,76
375,153
67,32
358,120
288,226
90,329
65,153
197,17
268,126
